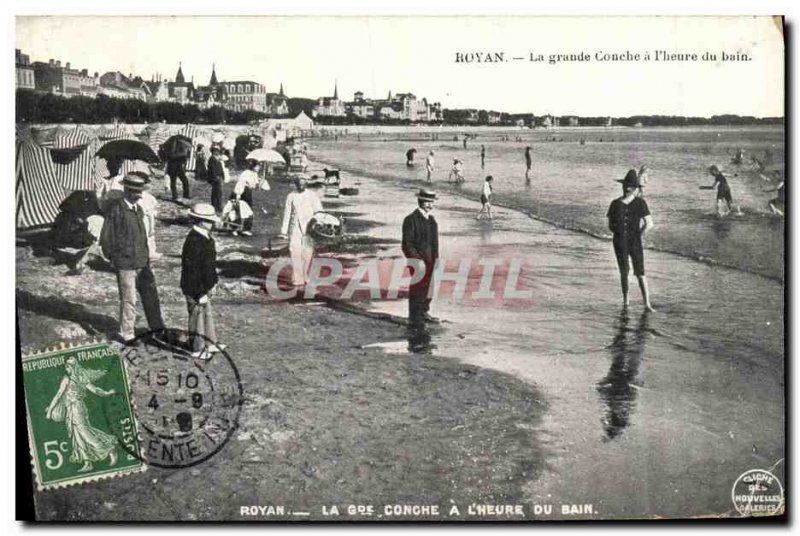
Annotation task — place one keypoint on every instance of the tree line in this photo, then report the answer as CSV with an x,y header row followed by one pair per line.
x,y
460,117
36,107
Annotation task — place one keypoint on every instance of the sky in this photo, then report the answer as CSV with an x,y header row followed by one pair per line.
x,y
417,54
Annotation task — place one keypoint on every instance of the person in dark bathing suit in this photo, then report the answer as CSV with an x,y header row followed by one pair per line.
x,y
528,163
629,219
723,190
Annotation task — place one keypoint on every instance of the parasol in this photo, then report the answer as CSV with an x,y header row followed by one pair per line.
x,y
265,155
127,150
177,147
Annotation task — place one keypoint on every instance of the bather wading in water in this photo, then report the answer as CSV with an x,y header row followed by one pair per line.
x,y
629,219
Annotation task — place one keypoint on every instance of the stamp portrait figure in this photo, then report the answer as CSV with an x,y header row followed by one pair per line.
x,y
89,444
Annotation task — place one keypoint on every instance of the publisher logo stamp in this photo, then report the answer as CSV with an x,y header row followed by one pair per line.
x,y
758,493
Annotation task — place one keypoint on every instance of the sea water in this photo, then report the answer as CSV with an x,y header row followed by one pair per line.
x,y
572,184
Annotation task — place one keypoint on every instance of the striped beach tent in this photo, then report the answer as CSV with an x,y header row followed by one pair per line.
x,y
39,191
116,131
69,138
192,132
156,138
154,135
81,173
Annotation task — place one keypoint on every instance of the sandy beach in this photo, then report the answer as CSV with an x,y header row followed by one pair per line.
x,y
637,415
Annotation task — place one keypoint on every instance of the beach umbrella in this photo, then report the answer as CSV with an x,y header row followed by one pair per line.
x,y
127,150
177,146
265,155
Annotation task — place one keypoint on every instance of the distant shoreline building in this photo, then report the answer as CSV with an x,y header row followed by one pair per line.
x,y
330,106
117,85
24,70
278,103
234,95
241,95
51,77
401,106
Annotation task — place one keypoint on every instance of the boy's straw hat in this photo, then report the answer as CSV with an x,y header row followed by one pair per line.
x,y
203,211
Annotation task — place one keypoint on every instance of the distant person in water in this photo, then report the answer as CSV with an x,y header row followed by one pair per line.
x,y
410,157
528,163
643,175
629,219
724,197
457,171
778,205
465,141
486,199
483,156
429,165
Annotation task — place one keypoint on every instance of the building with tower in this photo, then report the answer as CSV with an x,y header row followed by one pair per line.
x,y
330,106
180,90
278,103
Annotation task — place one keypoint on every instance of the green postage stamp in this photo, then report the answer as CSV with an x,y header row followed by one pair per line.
x,y
81,424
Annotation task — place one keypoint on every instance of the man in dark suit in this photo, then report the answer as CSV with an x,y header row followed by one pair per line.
x,y
421,241
176,169
216,176
124,243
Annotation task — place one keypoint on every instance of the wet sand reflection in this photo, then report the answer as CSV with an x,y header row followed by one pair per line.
x,y
618,389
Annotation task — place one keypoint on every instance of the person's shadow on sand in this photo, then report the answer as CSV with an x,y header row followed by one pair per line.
x,y
617,389
61,309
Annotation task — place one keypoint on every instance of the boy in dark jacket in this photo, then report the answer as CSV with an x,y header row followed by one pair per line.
x,y
198,279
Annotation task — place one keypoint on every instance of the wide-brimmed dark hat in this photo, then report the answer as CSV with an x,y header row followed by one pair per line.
x,y
427,195
136,181
631,179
